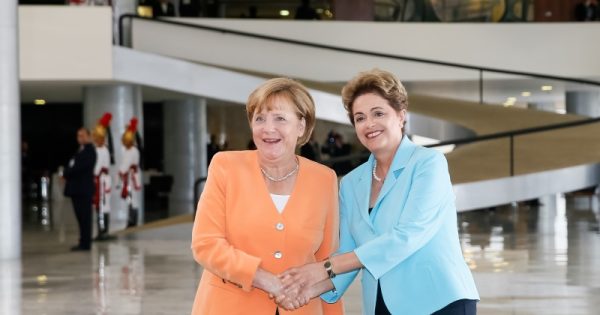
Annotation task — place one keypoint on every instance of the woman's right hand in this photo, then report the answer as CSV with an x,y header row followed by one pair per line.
x,y
271,284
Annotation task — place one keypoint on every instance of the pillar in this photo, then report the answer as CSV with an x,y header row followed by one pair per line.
x,y
123,101
10,135
584,103
185,139
10,286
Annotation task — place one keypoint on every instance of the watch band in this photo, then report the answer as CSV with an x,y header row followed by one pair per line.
x,y
329,268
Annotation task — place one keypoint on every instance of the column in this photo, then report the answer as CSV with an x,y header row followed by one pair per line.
x,y
10,135
185,142
202,138
584,103
123,101
10,286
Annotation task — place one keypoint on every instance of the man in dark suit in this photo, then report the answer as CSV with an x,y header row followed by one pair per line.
x,y
189,8
306,12
79,175
163,8
586,11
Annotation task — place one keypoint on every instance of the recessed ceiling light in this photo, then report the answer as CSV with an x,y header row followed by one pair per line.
x,y
39,102
526,94
546,87
284,12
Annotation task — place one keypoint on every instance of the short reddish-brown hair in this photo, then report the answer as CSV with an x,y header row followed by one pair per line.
x,y
377,81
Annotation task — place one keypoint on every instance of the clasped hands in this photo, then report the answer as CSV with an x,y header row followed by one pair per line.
x,y
297,286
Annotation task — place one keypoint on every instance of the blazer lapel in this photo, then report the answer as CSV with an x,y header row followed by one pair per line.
x,y
362,190
401,158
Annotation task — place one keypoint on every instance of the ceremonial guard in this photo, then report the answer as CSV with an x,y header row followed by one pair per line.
x,y
129,172
102,177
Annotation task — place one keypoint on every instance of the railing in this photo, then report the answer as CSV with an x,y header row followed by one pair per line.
x,y
508,134
494,136
480,70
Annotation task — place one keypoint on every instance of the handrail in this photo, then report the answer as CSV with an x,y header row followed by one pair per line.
x,y
499,135
510,134
517,132
353,51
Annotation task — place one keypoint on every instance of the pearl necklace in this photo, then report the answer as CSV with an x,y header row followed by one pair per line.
x,y
273,179
374,171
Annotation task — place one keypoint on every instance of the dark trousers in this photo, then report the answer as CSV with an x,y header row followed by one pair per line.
x,y
460,307
83,212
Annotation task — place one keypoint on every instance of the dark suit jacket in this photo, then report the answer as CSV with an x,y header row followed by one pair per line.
x,y
80,176
157,10
191,9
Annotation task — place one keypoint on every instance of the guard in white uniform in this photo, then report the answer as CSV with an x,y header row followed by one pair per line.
x,y
129,173
102,177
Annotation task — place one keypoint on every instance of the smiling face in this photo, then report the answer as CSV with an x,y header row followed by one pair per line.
x,y
378,126
276,129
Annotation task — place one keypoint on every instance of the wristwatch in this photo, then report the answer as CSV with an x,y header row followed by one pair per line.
x,y
329,268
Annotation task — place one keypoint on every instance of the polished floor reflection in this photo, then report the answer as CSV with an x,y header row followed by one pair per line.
x,y
526,260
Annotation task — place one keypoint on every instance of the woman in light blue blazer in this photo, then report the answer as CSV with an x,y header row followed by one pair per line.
x,y
397,219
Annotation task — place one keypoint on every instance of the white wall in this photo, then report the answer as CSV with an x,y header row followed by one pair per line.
x,y
564,49
65,43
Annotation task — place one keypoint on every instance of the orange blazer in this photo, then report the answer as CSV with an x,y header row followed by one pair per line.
x,y
237,229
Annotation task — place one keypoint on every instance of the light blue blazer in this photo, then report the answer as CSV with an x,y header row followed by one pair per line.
x,y
410,241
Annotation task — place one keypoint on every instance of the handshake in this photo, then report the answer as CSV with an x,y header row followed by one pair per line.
x,y
295,287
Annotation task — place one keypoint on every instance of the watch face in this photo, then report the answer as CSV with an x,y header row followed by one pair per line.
x,y
327,264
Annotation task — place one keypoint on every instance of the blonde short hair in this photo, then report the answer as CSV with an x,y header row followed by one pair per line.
x,y
377,81
296,93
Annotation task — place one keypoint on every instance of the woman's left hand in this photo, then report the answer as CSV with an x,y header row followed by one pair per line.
x,y
292,300
295,279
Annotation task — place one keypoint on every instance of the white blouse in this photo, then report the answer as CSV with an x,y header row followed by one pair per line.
x,y
280,201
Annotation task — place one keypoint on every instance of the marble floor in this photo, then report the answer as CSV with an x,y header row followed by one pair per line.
x,y
525,259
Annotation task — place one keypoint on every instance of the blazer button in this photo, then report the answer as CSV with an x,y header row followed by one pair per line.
x,y
279,226
277,255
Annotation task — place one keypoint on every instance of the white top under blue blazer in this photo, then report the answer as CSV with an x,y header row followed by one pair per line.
x,y
410,242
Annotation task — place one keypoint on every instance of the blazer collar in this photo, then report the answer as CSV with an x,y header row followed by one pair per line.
x,y
401,158
363,189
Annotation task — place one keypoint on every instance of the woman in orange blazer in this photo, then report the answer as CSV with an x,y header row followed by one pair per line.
x,y
264,211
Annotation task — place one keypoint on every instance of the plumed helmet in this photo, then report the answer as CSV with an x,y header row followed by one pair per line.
x,y
101,128
130,131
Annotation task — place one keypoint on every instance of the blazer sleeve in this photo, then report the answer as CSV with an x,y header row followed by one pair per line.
x,y
210,246
419,221
331,235
342,281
